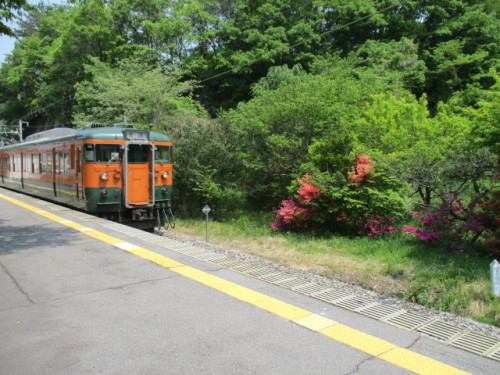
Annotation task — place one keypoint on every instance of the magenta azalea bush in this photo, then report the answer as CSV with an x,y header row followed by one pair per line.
x,y
378,225
460,226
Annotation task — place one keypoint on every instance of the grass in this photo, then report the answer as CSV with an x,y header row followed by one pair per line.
x,y
397,265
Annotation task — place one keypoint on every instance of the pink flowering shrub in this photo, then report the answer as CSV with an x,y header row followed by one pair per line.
x,y
291,216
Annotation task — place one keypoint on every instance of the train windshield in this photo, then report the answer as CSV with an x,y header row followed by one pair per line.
x,y
102,153
138,153
163,154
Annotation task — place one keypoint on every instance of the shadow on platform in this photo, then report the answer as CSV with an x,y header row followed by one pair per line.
x,y
22,237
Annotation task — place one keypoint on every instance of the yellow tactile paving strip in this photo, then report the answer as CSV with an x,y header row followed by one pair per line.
x,y
372,345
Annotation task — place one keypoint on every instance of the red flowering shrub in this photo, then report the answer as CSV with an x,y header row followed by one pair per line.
x,y
331,201
359,172
293,215
307,192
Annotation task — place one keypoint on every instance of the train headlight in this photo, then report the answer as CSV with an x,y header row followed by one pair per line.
x,y
165,175
104,176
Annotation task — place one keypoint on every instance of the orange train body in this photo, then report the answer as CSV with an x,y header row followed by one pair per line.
x,y
118,172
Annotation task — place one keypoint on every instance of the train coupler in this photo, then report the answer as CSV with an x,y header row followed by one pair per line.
x,y
140,215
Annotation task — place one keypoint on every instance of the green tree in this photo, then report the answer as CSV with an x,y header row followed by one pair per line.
x,y
23,77
133,88
290,111
487,119
396,59
8,11
40,76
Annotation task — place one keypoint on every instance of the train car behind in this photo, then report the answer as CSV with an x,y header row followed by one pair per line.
x,y
118,172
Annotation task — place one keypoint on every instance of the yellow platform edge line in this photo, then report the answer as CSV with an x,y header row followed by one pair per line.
x,y
372,345
102,237
418,363
283,309
315,322
357,339
50,216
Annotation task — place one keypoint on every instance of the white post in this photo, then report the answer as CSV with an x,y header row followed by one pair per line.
x,y
206,210
495,277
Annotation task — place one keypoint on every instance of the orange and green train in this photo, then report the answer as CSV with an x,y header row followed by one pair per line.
x,y
118,172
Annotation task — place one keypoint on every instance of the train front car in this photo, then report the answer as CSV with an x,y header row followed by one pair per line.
x,y
127,174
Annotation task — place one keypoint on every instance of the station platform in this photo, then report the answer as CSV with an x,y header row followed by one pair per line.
x,y
83,295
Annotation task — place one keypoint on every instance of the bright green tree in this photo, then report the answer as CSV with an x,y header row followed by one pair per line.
x,y
132,88
8,11
291,110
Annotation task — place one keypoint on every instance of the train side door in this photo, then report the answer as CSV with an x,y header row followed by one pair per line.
x,y
138,166
54,169
79,173
22,170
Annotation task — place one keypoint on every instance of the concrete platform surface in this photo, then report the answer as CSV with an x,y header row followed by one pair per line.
x,y
77,297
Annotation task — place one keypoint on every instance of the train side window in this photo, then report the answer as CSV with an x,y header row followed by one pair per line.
x,y
89,152
49,163
163,154
16,166
107,153
36,163
59,163
43,163
67,163
46,163
27,163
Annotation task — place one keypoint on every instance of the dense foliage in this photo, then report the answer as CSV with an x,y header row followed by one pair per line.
x,y
353,114
8,11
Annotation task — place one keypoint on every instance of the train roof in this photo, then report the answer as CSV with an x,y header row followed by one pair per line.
x,y
91,131
116,133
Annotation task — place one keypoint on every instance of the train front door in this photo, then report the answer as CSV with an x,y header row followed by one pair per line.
x,y
139,166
